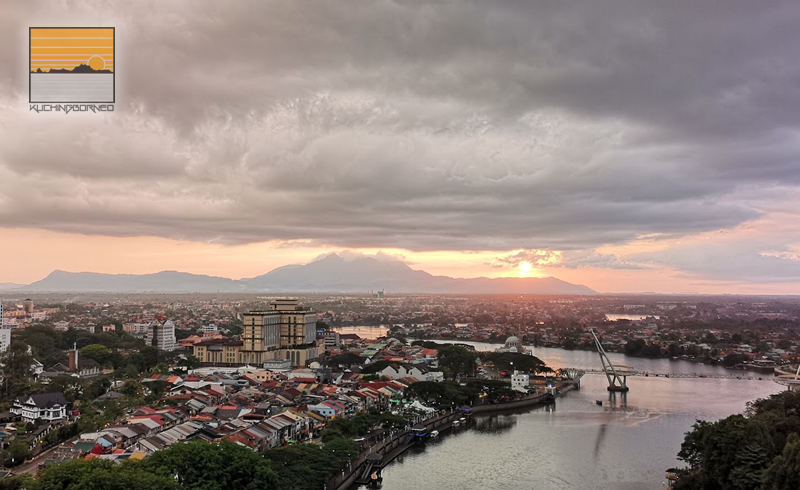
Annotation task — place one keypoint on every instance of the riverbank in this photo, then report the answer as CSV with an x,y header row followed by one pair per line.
x,y
396,445
590,349
574,443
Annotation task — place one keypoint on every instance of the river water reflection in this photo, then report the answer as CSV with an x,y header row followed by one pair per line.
x,y
626,444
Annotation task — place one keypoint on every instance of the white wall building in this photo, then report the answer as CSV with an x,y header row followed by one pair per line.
x,y
5,339
419,372
45,406
136,329
520,382
162,336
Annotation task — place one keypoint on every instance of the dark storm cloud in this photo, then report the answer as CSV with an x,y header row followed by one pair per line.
x,y
423,125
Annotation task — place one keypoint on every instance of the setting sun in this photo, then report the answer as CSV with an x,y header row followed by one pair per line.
x,y
524,269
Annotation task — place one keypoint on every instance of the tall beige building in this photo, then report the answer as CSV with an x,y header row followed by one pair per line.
x,y
286,330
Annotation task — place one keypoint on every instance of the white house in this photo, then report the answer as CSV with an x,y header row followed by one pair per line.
x,y
45,406
520,382
419,372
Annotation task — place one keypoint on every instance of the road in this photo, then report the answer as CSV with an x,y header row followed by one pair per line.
x,y
32,466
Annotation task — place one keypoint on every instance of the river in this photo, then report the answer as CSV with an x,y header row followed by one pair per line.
x,y
626,444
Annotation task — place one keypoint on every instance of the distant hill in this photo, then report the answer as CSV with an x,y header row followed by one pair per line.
x,y
9,285
336,274
161,282
332,273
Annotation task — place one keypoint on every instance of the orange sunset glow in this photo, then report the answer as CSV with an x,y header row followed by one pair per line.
x,y
66,48
485,142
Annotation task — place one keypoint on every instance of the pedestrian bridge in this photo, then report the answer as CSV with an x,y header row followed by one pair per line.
x,y
628,371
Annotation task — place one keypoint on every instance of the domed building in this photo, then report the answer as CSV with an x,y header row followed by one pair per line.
x,y
513,344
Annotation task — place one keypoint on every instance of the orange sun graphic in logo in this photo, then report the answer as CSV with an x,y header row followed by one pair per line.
x,y
97,63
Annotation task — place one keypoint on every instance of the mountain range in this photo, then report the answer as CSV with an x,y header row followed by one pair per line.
x,y
331,273
78,69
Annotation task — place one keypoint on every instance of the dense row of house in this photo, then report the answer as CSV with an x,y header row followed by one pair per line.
x,y
239,408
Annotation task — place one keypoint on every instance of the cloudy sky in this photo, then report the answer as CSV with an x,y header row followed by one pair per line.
x,y
628,145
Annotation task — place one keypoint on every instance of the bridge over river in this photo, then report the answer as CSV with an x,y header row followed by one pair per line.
x,y
681,375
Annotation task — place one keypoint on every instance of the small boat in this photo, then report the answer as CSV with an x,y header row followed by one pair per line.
x,y
456,423
434,433
376,480
462,420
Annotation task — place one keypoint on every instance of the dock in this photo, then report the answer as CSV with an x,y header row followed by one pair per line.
x,y
381,454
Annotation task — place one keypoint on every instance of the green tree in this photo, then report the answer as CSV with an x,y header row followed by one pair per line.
x,y
206,466
97,352
514,360
150,358
71,387
733,359
131,371
156,390
447,393
98,386
341,448
44,342
132,389
345,359
302,466
757,451
16,369
19,482
784,472
495,390
99,474
455,360
635,347
375,367
189,362
17,452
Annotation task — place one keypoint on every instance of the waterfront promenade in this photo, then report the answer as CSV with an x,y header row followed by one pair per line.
x,y
382,451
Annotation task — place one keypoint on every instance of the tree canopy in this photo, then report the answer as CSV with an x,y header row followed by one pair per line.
x,y
521,362
98,474
183,466
16,365
97,352
446,393
759,450
203,466
345,359
455,360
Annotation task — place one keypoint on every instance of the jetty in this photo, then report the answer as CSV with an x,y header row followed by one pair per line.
x,y
376,457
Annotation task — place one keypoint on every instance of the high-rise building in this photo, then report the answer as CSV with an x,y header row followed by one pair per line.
x,y
286,330
27,305
5,339
162,336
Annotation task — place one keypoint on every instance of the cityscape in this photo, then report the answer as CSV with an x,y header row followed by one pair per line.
x,y
122,377
430,244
